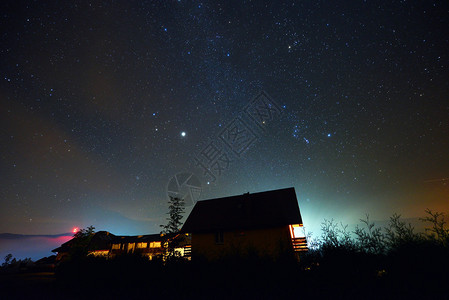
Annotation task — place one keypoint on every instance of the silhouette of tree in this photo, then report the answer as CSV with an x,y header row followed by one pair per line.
x,y
85,233
80,242
173,226
438,232
335,236
370,239
8,260
400,233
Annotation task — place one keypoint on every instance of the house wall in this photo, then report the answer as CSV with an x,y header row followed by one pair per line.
x,y
149,249
269,242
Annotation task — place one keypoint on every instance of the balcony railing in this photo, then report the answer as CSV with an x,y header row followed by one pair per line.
x,y
300,244
187,250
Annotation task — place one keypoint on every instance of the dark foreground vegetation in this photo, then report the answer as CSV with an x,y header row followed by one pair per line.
x,y
369,263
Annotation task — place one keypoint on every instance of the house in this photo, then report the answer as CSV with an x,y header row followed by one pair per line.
x,y
106,244
267,223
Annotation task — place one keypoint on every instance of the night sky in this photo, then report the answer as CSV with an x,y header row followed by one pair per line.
x,y
103,102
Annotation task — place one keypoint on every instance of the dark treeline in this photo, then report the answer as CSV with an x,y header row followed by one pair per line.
x,y
393,262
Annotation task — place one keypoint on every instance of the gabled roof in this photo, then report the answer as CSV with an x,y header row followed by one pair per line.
x,y
247,211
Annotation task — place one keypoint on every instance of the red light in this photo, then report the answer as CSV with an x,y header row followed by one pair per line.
x,y
75,230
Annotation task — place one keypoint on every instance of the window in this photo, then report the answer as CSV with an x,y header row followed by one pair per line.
x,y
142,245
297,231
99,253
155,244
219,237
115,246
299,241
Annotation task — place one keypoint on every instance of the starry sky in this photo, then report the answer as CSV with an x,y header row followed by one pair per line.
x,y
103,103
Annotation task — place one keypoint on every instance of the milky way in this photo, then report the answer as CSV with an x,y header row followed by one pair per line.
x,y
103,103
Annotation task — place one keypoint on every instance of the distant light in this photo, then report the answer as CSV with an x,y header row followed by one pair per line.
x,y
75,230
183,133
328,135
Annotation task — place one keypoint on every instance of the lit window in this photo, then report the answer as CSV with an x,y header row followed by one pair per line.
x,y
155,244
297,231
99,253
115,246
142,245
299,241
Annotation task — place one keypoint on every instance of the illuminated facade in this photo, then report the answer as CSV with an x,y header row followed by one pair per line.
x,y
106,244
267,223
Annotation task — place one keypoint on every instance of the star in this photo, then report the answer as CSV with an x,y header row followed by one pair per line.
x,y
135,105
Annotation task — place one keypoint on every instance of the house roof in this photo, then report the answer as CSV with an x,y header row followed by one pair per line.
x,y
103,239
247,211
100,240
